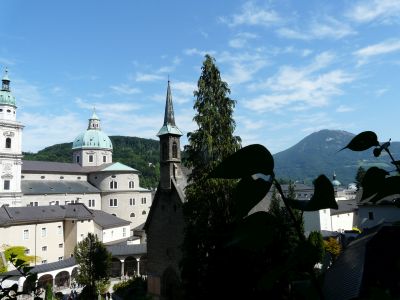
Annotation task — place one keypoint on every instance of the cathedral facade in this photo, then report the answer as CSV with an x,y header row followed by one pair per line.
x,y
92,178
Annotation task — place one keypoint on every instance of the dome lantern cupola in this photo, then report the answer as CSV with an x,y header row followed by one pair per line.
x,y
6,98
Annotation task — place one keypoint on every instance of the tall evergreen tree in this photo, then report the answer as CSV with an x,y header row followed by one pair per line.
x,y
209,212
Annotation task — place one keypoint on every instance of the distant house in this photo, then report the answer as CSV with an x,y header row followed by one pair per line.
x,y
372,214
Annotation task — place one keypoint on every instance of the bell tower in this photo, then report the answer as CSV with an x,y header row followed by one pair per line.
x,y
170,153
10,147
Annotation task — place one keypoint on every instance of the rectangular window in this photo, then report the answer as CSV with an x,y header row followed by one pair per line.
x,y
113,202
44,248
60,245
26,234
27,251
44,231
143,200
132,201
104,159
123,232
59,229
91,203
6,185
90,158
370,215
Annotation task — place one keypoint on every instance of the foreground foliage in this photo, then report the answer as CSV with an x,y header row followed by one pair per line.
x,y
134,288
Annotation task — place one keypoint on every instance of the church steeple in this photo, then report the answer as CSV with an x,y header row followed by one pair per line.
x,y
170,154
169,126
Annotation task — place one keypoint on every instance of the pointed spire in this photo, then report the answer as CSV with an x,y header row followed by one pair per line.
x,y
169,126
169,118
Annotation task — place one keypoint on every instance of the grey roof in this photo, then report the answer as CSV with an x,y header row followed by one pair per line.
x,y
343,280
106,220
345,206
39,187
43,268
124,249
41,214
298,187
32,166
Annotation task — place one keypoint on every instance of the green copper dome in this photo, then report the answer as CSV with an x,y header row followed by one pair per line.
x,y
92,138
6,98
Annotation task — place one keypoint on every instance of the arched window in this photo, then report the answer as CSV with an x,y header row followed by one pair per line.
x,y
8,142
143,212
131,184
164,151
132,215
174,150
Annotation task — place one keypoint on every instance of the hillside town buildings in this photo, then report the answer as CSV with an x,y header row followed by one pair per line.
x,y
49,207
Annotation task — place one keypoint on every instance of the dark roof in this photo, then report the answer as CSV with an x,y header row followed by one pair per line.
x,y
39,187
40,214
106,220
345,206
371,255
124,249
32,166
43,268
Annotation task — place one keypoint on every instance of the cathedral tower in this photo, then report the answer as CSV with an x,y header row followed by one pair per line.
x,y
10,147
170,154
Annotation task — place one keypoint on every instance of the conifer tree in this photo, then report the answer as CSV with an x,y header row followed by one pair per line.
x,y
209,212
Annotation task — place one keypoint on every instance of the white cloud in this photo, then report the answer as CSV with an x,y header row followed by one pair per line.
x,y
384,47
300,88
327,28
371,10
252,15
27,94
38,134
125,89
344,108
142,77
195,51
241,39
241,67
115,107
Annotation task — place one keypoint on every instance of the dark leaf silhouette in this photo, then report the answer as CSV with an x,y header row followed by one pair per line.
x,y
324,197
363,141
247,234
247,161
373,182
390,186
249,192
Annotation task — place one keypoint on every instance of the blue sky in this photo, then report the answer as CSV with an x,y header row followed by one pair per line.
x,y
294,67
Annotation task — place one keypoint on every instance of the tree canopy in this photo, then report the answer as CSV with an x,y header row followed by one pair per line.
x,y
208,212
94,263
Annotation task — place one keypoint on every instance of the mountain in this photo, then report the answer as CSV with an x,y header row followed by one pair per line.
x,y
319,153
316,154
139,153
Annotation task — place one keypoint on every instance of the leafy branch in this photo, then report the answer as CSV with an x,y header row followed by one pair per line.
x,y
254,166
